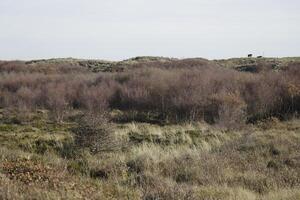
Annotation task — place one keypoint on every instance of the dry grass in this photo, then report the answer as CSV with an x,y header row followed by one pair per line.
x,y
187,161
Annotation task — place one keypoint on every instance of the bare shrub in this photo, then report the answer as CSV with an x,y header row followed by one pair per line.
x,y
93,132
172,90
26,98
231,109
56,101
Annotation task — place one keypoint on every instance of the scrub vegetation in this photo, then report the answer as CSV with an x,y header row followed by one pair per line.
x,y
150,128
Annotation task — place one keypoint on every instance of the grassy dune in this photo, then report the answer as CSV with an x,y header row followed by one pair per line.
x,y
104,65
185,161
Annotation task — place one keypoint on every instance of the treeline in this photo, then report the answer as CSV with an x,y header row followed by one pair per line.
x,y
174,91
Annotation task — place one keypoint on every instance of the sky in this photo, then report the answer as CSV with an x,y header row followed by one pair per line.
x,y
120,29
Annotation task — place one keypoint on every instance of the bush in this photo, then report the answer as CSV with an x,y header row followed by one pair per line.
x,y
173,90
93,133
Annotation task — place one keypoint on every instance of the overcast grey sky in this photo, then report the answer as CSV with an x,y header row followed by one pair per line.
x,y
118,29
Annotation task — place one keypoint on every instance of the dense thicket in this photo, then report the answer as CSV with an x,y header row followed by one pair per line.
x,y
172,91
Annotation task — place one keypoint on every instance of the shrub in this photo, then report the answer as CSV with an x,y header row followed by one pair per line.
x,y
93,133
172,90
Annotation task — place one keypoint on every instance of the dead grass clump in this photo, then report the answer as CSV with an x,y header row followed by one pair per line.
x,y
154,187
224,192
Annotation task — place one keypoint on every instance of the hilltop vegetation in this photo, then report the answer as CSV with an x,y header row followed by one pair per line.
x,y
150,128
110,66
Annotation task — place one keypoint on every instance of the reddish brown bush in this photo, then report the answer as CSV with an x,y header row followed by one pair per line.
x,y
177,90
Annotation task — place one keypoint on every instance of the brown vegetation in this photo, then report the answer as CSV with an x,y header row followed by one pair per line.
x,y
179,90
